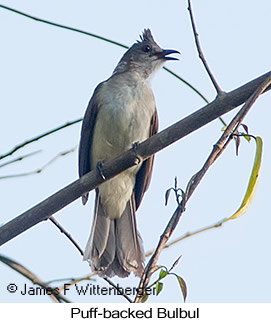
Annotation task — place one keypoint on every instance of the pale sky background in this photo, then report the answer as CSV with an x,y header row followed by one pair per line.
x,y
47,77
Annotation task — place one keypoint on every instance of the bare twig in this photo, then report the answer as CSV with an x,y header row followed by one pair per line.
x,y
68,235
187,235
41,169
56,296
61,26
20,158
70,193
219,147
201,56
47,133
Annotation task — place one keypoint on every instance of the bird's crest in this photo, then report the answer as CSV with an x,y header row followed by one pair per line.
x,y
146,36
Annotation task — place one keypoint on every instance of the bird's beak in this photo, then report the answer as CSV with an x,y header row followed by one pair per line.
x,y
163,54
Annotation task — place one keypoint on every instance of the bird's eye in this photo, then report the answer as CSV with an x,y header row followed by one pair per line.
x,y
146,48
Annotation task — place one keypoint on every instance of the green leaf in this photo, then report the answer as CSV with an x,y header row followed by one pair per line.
x,y
183,286
247,137
252,184
162,274
159,287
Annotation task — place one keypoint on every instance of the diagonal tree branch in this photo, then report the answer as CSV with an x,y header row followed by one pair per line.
x,y
219,147
54,203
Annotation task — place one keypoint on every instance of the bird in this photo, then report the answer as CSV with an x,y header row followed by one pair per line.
x,y
120,113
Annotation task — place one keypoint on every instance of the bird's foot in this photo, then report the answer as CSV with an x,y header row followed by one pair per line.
x,y
134,147
99,167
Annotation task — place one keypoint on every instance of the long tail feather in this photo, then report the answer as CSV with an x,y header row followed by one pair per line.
x,y
115,246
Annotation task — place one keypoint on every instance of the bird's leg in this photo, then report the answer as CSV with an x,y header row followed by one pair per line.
x,y
99,167
134,147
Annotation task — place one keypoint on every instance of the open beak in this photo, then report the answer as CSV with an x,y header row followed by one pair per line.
x,y
164,54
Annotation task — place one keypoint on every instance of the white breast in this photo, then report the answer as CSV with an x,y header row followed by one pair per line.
x,y
124,118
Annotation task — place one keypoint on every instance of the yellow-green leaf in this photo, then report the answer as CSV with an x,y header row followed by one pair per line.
x,y
252,184
159,287
162,274
183,286
248,138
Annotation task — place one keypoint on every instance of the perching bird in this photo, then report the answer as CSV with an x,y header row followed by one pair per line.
x,y
120,113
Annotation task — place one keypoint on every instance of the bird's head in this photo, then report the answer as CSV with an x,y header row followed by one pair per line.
x,y
145,56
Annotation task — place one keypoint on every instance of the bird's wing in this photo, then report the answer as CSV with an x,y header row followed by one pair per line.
x,y
143,176
88,126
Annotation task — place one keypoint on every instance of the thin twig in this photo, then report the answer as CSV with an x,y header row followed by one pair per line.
x,y
20,158
41,169
47,133
219,147
187,235
62,26
201,56
68,235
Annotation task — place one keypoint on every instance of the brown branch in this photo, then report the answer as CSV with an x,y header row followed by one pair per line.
x,y
200,52
219,147
47,133
56,297
88,182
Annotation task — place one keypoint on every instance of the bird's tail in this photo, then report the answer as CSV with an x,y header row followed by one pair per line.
x,y
115,246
